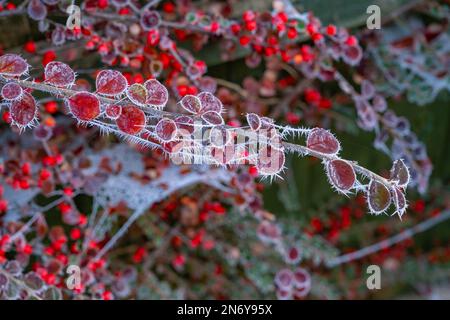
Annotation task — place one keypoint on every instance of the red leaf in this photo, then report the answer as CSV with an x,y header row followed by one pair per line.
x,y
323,141
378,197
23,111
110,82
84,106
113,111
137,94
341,174
11,91
400,173
13,65
185,125
166,129
191,103
157,93
254,121
132,120
59,74
270,161
212,118
209,102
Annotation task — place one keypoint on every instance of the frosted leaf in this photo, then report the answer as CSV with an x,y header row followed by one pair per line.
x,y
11,91
166,129
84,106
270,161
13,65
341,175
219,137
283,294
110,82
378,197
300,293
399,201
138,94
367,118
268,232
212,118
191,103
302,279
185,125
352,55
222,155
173,147
58,36
209,102
323,141
253,121
292,255
113,111
400,173
43,25
284,279
150,19
132,120
37,10
379,103
367,89
266,123
157,93
193,72
208,84
59,74
42,133
13,267
23,111
403,126
52,293
33,281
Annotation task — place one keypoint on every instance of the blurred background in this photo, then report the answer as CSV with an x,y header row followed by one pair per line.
x,y
330,224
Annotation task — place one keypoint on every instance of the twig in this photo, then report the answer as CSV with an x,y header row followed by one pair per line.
x,y
405,234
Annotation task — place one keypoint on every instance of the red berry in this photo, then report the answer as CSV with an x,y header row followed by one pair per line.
x,y
27,249
168,7
235,28
331,30
6,117
244,40
102,4
317,37
292,33
351,41
49,56
26,168
68,192
3,206
75,234
30,47
250,25
248,16
10,6
51,107
325,103
312,96
311,28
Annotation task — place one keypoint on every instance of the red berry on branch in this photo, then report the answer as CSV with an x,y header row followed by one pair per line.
x,y
331,30
30,47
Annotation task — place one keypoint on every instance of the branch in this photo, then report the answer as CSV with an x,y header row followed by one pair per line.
x,y
405,234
